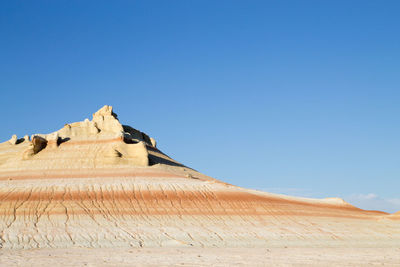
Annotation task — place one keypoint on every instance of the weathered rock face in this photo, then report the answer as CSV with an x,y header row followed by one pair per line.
x,y
102,184
38,143
100,143
13,140
106,120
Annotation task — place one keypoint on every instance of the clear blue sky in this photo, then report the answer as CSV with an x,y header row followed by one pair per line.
x,y
295,97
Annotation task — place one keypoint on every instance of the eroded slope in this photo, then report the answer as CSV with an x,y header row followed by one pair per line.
x,y
101,184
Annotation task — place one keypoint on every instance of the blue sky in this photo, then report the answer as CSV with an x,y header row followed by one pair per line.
x,y
294,97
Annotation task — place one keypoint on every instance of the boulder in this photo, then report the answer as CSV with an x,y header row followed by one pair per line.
x,y
38,144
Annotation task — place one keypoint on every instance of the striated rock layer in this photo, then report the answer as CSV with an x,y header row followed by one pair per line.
x,y
99,183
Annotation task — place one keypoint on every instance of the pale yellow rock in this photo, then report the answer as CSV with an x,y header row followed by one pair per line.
x,y
13,140
106,120
153,142
37,144
79,130
53,140
135,154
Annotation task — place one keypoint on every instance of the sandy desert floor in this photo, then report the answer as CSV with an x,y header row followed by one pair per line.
x,y
290,256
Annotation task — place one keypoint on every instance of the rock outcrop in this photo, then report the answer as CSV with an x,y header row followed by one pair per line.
x,y
98,183
106,120
13,140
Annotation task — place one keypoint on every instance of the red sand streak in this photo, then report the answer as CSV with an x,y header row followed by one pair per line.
x,y
165,202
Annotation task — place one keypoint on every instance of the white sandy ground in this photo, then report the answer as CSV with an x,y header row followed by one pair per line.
x,y
289,256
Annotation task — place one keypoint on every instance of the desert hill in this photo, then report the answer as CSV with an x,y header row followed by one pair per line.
x,y
98,183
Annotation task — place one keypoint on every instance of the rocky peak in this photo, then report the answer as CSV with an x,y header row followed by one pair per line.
x,y
107,120
105,111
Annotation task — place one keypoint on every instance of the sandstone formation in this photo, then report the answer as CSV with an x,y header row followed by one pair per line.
x,y
98,183
13,140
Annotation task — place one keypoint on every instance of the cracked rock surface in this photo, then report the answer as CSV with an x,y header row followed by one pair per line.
x,y
101,184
